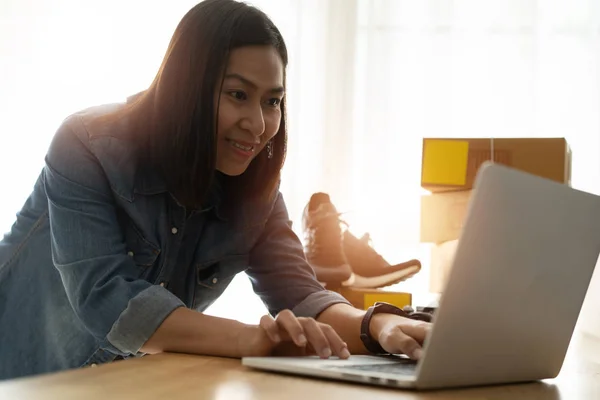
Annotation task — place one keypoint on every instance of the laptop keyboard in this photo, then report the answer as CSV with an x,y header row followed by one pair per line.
x,y
407,367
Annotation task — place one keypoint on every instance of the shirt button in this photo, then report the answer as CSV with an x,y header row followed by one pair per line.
x,y
215,280
130,253
162,284
174,231
93,365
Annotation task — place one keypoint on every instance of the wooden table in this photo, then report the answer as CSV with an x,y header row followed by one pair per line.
x,y
178,376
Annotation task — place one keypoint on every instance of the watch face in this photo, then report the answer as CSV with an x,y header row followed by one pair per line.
x,y
390,309
386,306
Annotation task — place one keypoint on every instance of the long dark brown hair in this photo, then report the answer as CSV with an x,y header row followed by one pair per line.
x,y
175,118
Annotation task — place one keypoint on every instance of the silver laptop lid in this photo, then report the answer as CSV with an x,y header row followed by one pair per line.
x,y
520,274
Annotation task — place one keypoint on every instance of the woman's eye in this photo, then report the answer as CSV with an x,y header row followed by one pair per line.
x,y
239,95
274,102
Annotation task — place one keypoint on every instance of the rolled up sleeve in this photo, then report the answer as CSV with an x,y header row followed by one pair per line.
x,y
89,249
280,274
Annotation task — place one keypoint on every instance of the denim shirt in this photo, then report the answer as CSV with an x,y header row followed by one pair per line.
x,y
85,271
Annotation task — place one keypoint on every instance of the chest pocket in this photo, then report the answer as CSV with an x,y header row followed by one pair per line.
x,y
219,273
143,252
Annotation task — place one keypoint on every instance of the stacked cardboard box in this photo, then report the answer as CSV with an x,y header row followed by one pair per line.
x,y
448,171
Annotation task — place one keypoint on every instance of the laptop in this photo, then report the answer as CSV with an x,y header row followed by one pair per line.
x,y
519,277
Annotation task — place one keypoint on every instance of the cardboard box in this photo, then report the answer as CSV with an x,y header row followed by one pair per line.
x,y
443,215
440,265
452,164
365,298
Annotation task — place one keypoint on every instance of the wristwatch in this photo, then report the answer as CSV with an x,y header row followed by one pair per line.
x,y
380,307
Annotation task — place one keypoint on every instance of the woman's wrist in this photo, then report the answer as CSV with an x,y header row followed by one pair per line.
x,y
244,338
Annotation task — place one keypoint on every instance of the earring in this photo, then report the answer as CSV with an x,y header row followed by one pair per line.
x,y
270,149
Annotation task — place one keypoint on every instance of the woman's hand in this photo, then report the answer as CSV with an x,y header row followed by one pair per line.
x,y
288,335
399,335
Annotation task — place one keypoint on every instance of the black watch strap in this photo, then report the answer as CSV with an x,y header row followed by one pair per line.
x,y
369,342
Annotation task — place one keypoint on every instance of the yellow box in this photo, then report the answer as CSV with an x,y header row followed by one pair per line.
x,y
445,162
365,298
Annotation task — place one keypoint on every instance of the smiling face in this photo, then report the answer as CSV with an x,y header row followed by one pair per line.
x,y
249,106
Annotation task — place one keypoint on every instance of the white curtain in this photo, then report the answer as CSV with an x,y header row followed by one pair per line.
x,y
368,79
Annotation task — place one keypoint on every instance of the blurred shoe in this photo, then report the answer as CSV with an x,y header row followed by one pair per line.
x,y
323,248
372,270
341,259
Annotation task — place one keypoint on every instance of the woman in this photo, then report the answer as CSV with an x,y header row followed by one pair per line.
x,y
145,211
